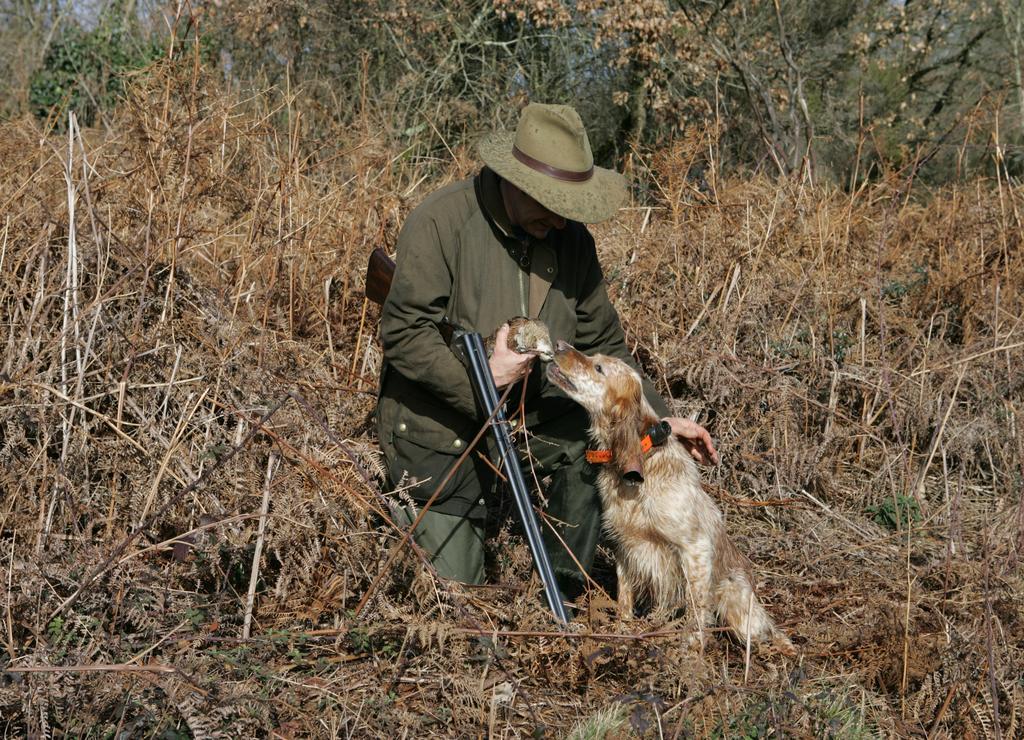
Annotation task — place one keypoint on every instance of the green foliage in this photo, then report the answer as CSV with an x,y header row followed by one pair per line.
x,y
56,629
360,639
896,512
216,452
835,714
364,642
841,720
66,636
894,290
841,343
84,70
802,346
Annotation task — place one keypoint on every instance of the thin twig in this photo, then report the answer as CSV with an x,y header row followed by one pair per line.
x,y
942,710
359,340
969,358
990,657
171,447
746,652
918,490
540,634
828,510
106,419
10,597
906,622
96,668
183,537
255,570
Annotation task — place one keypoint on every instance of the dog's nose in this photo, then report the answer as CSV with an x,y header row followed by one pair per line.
x,y
633,477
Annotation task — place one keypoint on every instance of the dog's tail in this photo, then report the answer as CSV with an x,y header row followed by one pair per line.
x,y
739,608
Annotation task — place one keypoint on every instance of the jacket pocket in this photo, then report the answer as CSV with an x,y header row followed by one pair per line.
x,y
427,432
407,411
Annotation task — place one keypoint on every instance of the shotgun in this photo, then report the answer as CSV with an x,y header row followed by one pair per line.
x,y
469,347
487,397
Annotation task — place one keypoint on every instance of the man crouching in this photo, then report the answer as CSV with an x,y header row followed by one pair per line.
x,y
510,241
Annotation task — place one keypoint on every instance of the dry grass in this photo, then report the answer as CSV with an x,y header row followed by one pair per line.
x,y
193,310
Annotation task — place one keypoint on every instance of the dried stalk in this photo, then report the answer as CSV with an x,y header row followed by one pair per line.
x,y
179,432
917,491
254,573
10,597
95,668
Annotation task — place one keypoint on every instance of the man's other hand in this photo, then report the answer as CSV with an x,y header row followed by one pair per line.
x,y
695,438
507,366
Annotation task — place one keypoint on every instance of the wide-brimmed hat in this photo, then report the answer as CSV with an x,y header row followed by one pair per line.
x,y
549,158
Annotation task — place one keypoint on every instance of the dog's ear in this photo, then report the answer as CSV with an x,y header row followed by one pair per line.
x,y
623,410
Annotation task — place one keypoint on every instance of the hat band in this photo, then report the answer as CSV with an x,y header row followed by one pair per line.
x,y
546,169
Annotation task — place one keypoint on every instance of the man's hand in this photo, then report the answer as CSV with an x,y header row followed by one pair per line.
x,y
507,366
695,438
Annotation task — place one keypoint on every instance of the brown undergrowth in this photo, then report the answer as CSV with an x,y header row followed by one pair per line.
x,y
186,348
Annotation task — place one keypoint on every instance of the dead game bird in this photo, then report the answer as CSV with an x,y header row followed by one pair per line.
x,y
526,336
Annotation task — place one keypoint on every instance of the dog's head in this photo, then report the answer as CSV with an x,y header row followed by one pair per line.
x,y
611,392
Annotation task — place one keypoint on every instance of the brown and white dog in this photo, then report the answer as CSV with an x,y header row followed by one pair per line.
x,y
670,537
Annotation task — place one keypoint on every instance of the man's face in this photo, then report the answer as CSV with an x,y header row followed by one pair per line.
x,y
528,214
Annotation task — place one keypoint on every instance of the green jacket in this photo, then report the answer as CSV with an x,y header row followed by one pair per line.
x,y
458,257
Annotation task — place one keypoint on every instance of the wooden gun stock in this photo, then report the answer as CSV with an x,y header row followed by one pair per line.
x,y
379,272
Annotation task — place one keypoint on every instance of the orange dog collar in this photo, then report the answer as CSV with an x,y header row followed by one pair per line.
x,y
656,436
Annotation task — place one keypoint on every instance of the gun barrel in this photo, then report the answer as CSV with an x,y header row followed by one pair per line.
x,y
483,383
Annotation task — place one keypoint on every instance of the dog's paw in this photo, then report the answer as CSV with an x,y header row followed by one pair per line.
x,y
529,335
781,645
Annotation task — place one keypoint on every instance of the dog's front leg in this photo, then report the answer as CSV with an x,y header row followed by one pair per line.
x,y
696,562
625,592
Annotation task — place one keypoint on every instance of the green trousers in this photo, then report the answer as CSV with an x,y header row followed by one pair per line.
x,y
571,525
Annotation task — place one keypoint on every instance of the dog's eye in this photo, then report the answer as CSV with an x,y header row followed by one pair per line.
x,y
599,370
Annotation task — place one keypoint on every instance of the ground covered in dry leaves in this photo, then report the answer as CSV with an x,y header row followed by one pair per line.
x,y
185,346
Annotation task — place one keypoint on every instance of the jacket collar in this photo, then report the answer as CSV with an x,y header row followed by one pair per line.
x,y
488,188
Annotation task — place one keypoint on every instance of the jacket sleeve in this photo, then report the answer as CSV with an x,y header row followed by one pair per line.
x,y
598,328
415,305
